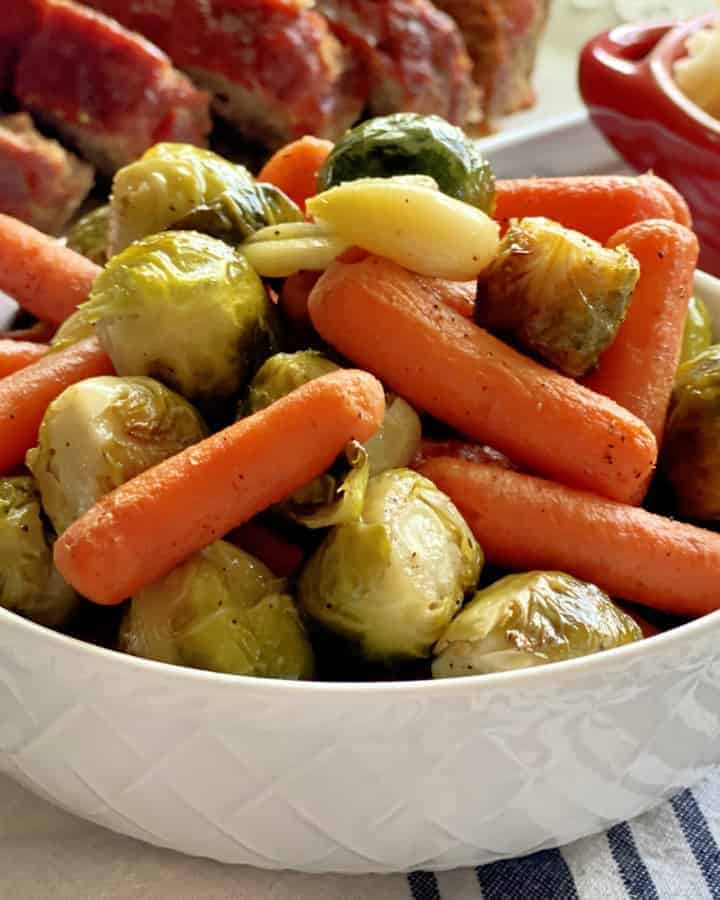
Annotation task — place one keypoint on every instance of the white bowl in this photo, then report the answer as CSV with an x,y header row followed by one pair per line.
x,y
367,777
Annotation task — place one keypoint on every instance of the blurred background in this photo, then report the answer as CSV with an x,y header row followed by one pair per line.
x,y
571,24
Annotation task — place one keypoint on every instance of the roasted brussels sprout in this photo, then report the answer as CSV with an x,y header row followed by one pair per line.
x,y
89,235
184,187
698,335
186,309
528,620
283,373
391,582
224,611
556,293
690,454
100,433
236,216
76,327
412,144
29,582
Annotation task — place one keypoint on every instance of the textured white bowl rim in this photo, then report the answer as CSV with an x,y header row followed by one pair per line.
x,y
309,689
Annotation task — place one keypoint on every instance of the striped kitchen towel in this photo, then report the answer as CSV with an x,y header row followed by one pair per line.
x,y
671,853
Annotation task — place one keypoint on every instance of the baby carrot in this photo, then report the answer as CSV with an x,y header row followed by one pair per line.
x,y
27,393
638,369
146,527
296,290
524,523
597,205
460,295
294,295
46,278
378,315
294,168
16,355
678,204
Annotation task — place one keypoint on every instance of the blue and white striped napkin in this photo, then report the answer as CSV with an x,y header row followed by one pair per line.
x,y
668,854
671,852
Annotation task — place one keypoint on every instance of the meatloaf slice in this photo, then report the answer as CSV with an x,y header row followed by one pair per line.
x,y
40,182
414,54
502,37
273,66
109,91
18,21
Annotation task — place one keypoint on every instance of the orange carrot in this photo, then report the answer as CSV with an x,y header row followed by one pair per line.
x,y
279,555
460,295
524,523
146,527
46,278
16,355
294,296
378,315
294,168
638,369
678,204
597,205
295,293
26,394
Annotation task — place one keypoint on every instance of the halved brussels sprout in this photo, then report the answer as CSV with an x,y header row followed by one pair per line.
x,y
100,433
413,144
282,250
556,293
184,187
89,235
414,225
224,611
528,620
690,454
698,335
392,581
186,309
29,582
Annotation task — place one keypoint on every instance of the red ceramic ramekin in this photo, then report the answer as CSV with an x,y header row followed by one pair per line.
x,y
626,80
